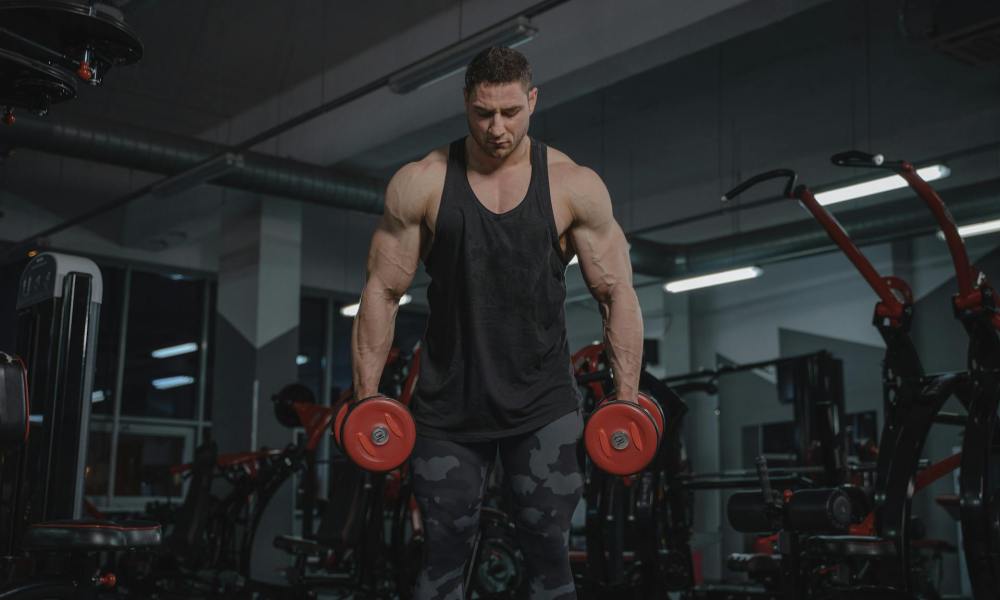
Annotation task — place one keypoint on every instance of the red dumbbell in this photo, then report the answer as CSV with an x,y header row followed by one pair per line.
x,y
376,433
623,437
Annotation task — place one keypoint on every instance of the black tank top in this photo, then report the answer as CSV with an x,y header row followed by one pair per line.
x,y
495,358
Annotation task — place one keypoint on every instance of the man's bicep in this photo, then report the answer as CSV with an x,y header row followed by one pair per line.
x,y
600,242
395,247
393,257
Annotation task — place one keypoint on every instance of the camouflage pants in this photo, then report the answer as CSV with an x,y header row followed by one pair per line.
x,y
544,474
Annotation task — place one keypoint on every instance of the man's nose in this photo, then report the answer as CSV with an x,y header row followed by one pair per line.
x,y
496,125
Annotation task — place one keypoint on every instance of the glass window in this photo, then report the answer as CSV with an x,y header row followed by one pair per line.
x,y
144,461
108,334
311,358
97,472
340,361
210,358
162,346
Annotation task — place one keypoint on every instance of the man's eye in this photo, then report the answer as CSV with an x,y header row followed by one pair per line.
x,y
510,113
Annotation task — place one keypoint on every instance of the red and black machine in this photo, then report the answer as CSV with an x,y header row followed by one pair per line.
x,y
831,546
975,306
638,512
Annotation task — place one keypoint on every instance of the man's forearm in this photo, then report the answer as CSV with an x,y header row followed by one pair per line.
x,y
623,340
371,340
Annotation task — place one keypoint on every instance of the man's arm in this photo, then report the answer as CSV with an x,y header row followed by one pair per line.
x,y
604,262
392,263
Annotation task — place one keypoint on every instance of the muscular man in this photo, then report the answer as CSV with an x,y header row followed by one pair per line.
x,y
495,217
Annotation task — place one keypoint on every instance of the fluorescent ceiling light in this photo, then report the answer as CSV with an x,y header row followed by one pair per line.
x,y
97,396
301,359
186,348
165,383
456,57
693,283
877,186
351,310
975,229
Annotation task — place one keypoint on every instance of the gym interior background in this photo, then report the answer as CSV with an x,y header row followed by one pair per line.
x,y
248,266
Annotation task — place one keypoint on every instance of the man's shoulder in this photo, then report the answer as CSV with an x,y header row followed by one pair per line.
x,y
426,171
415,183
565,172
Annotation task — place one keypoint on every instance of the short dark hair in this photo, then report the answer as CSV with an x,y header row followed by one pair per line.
x,y
497,65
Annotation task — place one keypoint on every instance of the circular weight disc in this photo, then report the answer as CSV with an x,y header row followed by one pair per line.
x,y
345,409
31,84
379,434
654,408
621,438
69,27
651,406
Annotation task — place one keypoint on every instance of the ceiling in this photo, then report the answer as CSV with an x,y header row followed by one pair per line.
x,y
207,62
670,102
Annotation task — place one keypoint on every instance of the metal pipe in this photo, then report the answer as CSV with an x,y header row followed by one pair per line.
x,y
168,154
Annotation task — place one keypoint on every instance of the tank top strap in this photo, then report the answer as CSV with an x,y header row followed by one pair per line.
x,y
540,183
456,164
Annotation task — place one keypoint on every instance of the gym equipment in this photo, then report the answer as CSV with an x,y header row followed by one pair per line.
x,y
58,306
497,570
31,84
376,432
49,551
623,437
810,510
87,38
815,458
637,527
47,45
211,537
912,401
370,535
975,306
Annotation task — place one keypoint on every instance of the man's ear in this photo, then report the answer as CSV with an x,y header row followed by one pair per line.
x,y
532,99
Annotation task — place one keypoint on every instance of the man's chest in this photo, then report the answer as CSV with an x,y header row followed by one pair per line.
x,y
503,196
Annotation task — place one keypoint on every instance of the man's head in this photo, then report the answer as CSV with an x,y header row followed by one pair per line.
x,y
499,99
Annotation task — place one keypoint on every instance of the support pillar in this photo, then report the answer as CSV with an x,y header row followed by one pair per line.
x,y
256,343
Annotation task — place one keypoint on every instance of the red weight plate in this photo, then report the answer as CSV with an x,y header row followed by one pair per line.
x,y
621,438
379,434
654,409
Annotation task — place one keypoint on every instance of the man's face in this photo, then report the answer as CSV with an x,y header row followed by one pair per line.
x,y
498,116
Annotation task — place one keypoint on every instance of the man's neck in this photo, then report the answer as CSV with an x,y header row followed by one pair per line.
x,y
481,162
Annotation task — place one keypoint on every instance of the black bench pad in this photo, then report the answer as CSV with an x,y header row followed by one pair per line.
x,y
92,535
